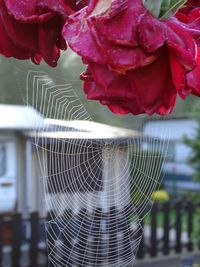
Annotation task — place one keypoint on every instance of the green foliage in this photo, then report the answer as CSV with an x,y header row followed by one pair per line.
x,y
194,144
196,234
163,9
194,160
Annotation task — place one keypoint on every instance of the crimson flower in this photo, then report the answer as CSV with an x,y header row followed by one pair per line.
x,y
136,62
32,28
190,16
189,6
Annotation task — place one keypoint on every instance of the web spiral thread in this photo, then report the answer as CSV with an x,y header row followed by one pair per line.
x,y
97,188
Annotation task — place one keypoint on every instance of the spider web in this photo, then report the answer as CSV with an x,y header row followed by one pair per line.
x,y
97,180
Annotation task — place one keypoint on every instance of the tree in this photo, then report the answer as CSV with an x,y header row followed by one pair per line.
x,y
194,144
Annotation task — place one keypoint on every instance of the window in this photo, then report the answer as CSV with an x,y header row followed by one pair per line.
x,y
2,159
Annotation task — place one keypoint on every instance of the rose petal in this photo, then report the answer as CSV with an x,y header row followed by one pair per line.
x,y
181,43
149,28
122,58
59,7
8,48
47,41
26,11
77,33
117,103
21,34
179,76
189,6
117,109
154,88
193,79
120,27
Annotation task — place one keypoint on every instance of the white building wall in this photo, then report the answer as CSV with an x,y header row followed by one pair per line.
x,y
8,194
172,130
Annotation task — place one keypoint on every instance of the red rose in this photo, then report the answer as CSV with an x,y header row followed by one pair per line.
x,y
32,28
189,6
136,63
190,16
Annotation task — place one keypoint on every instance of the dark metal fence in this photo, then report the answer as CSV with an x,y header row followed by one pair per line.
x,y
169,228
22,240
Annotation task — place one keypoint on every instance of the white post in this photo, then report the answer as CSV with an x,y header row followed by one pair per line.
x,y
116,187
32,189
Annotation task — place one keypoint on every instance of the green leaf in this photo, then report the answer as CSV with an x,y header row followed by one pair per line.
x,y
174,7
154,6
163,9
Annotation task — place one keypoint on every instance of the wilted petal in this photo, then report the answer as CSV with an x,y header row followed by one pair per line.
x,y
110,89
26,11
124,106
116,108
120,27
36,59
10,49
152,33
189,6
181,43
179,77
21,34
78,34
193,79
153,87
47,41
59,7
122,58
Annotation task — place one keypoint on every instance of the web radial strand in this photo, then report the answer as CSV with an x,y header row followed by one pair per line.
x,y
97,190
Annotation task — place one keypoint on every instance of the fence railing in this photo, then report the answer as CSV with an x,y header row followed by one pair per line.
x,y
22,240
170,227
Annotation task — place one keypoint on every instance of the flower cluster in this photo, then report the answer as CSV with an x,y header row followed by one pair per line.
x,y
32,28
136,62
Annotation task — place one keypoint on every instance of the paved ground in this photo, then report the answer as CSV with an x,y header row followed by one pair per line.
x,y
161,261
168,261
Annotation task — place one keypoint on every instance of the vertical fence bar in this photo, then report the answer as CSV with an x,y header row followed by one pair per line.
x,y
16,239
97,238
113,238
50,236
34,220
1,239
80,252
140,253
190,212
178,246
166,225
95,232
128,235
67,237
153,246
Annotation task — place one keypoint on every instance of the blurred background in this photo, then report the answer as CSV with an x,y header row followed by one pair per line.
x,y
172,228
